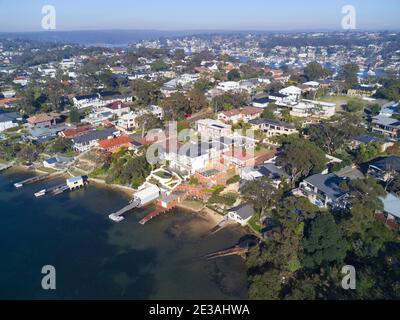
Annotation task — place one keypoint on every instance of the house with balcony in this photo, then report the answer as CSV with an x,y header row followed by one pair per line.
x,y
389,127
88,141
273,127
213,129
324,190
312,108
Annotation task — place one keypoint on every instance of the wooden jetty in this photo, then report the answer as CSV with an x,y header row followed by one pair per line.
x,y
158,211
119,215
241,249
40,178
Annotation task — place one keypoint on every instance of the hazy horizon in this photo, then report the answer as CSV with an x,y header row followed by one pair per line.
x,y
206,16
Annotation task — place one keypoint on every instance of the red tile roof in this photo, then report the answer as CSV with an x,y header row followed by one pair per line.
x,y
116,142
72,133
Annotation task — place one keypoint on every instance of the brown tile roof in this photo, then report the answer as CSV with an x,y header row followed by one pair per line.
x,y
43,117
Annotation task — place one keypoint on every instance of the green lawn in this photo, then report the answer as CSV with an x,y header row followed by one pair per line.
x,y
254,224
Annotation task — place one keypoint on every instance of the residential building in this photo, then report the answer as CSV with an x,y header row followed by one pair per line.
x,y
195,157
241,214
115,144
312,108
43,120
9,120
383,169
391,211
129,121
293,93
273,128
87,101
362,91
266,170
89,140
262,102
213,129
74,132
245,114
118,108
58,162
390,127
324,190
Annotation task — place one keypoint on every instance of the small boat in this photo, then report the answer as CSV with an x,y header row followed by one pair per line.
x,y
18,185
40,193
115,218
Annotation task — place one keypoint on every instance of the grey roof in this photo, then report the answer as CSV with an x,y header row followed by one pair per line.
x,y
365,138
389,163
94,135
9,116
328,184
87,97
272,122
272,171
245,211
263,100
386,121
391,205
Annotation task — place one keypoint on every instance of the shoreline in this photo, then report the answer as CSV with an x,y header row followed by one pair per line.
x,y
193,207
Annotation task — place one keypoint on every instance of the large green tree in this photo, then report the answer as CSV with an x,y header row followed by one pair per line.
x,y
324,242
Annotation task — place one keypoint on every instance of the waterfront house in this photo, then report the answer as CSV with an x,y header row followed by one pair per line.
x,y
88,140
115,144
267,170
75,182
241,214
324,190
58,162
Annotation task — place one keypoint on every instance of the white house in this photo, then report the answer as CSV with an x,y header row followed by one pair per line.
x,y
9,120
195,157
228,86
129,121
213,129
241,214
319,109
292,92
86,101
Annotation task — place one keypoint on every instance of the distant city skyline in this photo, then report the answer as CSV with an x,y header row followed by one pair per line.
x,y
175,15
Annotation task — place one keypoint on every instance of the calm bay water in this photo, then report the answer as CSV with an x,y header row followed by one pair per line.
x,y
98,259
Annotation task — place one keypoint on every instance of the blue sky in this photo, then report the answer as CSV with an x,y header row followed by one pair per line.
x,y
25,15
